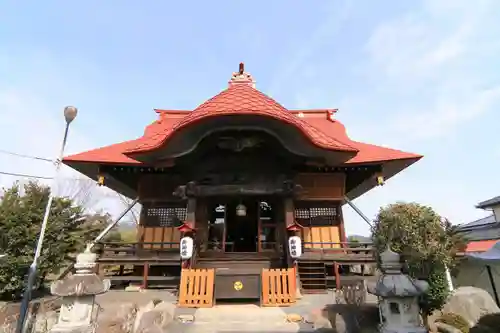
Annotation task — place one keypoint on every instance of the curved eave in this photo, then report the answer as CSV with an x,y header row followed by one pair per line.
x,y
174,141
91,170
161,139
390,168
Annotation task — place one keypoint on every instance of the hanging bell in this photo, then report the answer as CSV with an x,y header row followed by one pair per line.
x,y
241,210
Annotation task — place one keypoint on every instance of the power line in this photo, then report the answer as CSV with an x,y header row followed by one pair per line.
x,y
26,156
23,175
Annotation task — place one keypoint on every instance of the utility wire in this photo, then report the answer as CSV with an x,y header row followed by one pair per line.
x,y
36,177
23,175
26,156
32,158
123,199
113,194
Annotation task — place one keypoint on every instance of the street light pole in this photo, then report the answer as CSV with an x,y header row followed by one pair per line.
x,y
70,113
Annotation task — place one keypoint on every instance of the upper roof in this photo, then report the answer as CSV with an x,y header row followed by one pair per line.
x,y
489,203
241,98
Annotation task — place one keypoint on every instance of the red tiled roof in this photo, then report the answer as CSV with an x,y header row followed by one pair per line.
x,y
240,99
244,99
367,153
108,154
480,246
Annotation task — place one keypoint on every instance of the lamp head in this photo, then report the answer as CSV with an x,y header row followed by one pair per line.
x,y
70,113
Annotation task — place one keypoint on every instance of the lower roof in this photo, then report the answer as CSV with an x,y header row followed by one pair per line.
x,y
481,246
317,119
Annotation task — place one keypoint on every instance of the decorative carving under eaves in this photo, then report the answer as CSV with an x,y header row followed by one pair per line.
x,y
283,188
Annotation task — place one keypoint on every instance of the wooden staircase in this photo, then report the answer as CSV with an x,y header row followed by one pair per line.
x,y
312,277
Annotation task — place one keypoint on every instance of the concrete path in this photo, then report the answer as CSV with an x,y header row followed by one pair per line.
x,y
240,318
227,318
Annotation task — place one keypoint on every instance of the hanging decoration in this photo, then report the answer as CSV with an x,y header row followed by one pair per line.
x,y
241,210
380,179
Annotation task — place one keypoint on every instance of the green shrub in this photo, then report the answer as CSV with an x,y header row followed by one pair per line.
x,y
427,244
22,210
454,320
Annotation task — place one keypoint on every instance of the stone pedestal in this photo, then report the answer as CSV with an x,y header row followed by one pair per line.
x,y
78,311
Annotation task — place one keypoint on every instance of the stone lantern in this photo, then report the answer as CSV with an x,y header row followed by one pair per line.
x,y
78,311
398,294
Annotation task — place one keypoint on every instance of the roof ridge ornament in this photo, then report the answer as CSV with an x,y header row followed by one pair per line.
x,y
242,77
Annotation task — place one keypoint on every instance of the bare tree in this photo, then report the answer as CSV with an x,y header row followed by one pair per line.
x,y
134,212
82,191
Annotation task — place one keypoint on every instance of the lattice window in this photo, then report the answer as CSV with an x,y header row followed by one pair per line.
x,y
310,214
164,215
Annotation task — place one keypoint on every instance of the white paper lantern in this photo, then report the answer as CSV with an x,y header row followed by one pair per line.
x,y
295,246
186,248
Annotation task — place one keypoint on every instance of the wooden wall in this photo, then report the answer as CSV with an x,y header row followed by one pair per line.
x,y
323,188
320,186
157,190
159,235
316,187
155,187
329,234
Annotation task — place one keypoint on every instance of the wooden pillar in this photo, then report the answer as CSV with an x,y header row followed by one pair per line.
x,y
145,275
201,225
191,212
100,270
343,238
289,221
337,275
289,212
297,286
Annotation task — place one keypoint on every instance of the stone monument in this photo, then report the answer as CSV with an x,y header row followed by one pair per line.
x,y
78,311
398,294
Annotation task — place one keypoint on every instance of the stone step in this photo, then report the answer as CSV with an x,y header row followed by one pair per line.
x,y
244,313
240,327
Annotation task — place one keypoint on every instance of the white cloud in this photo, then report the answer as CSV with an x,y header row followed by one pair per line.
x,y
437,51
417,44
447,113
436,60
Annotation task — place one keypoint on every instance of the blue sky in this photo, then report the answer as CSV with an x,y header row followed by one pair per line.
x,y
421,76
